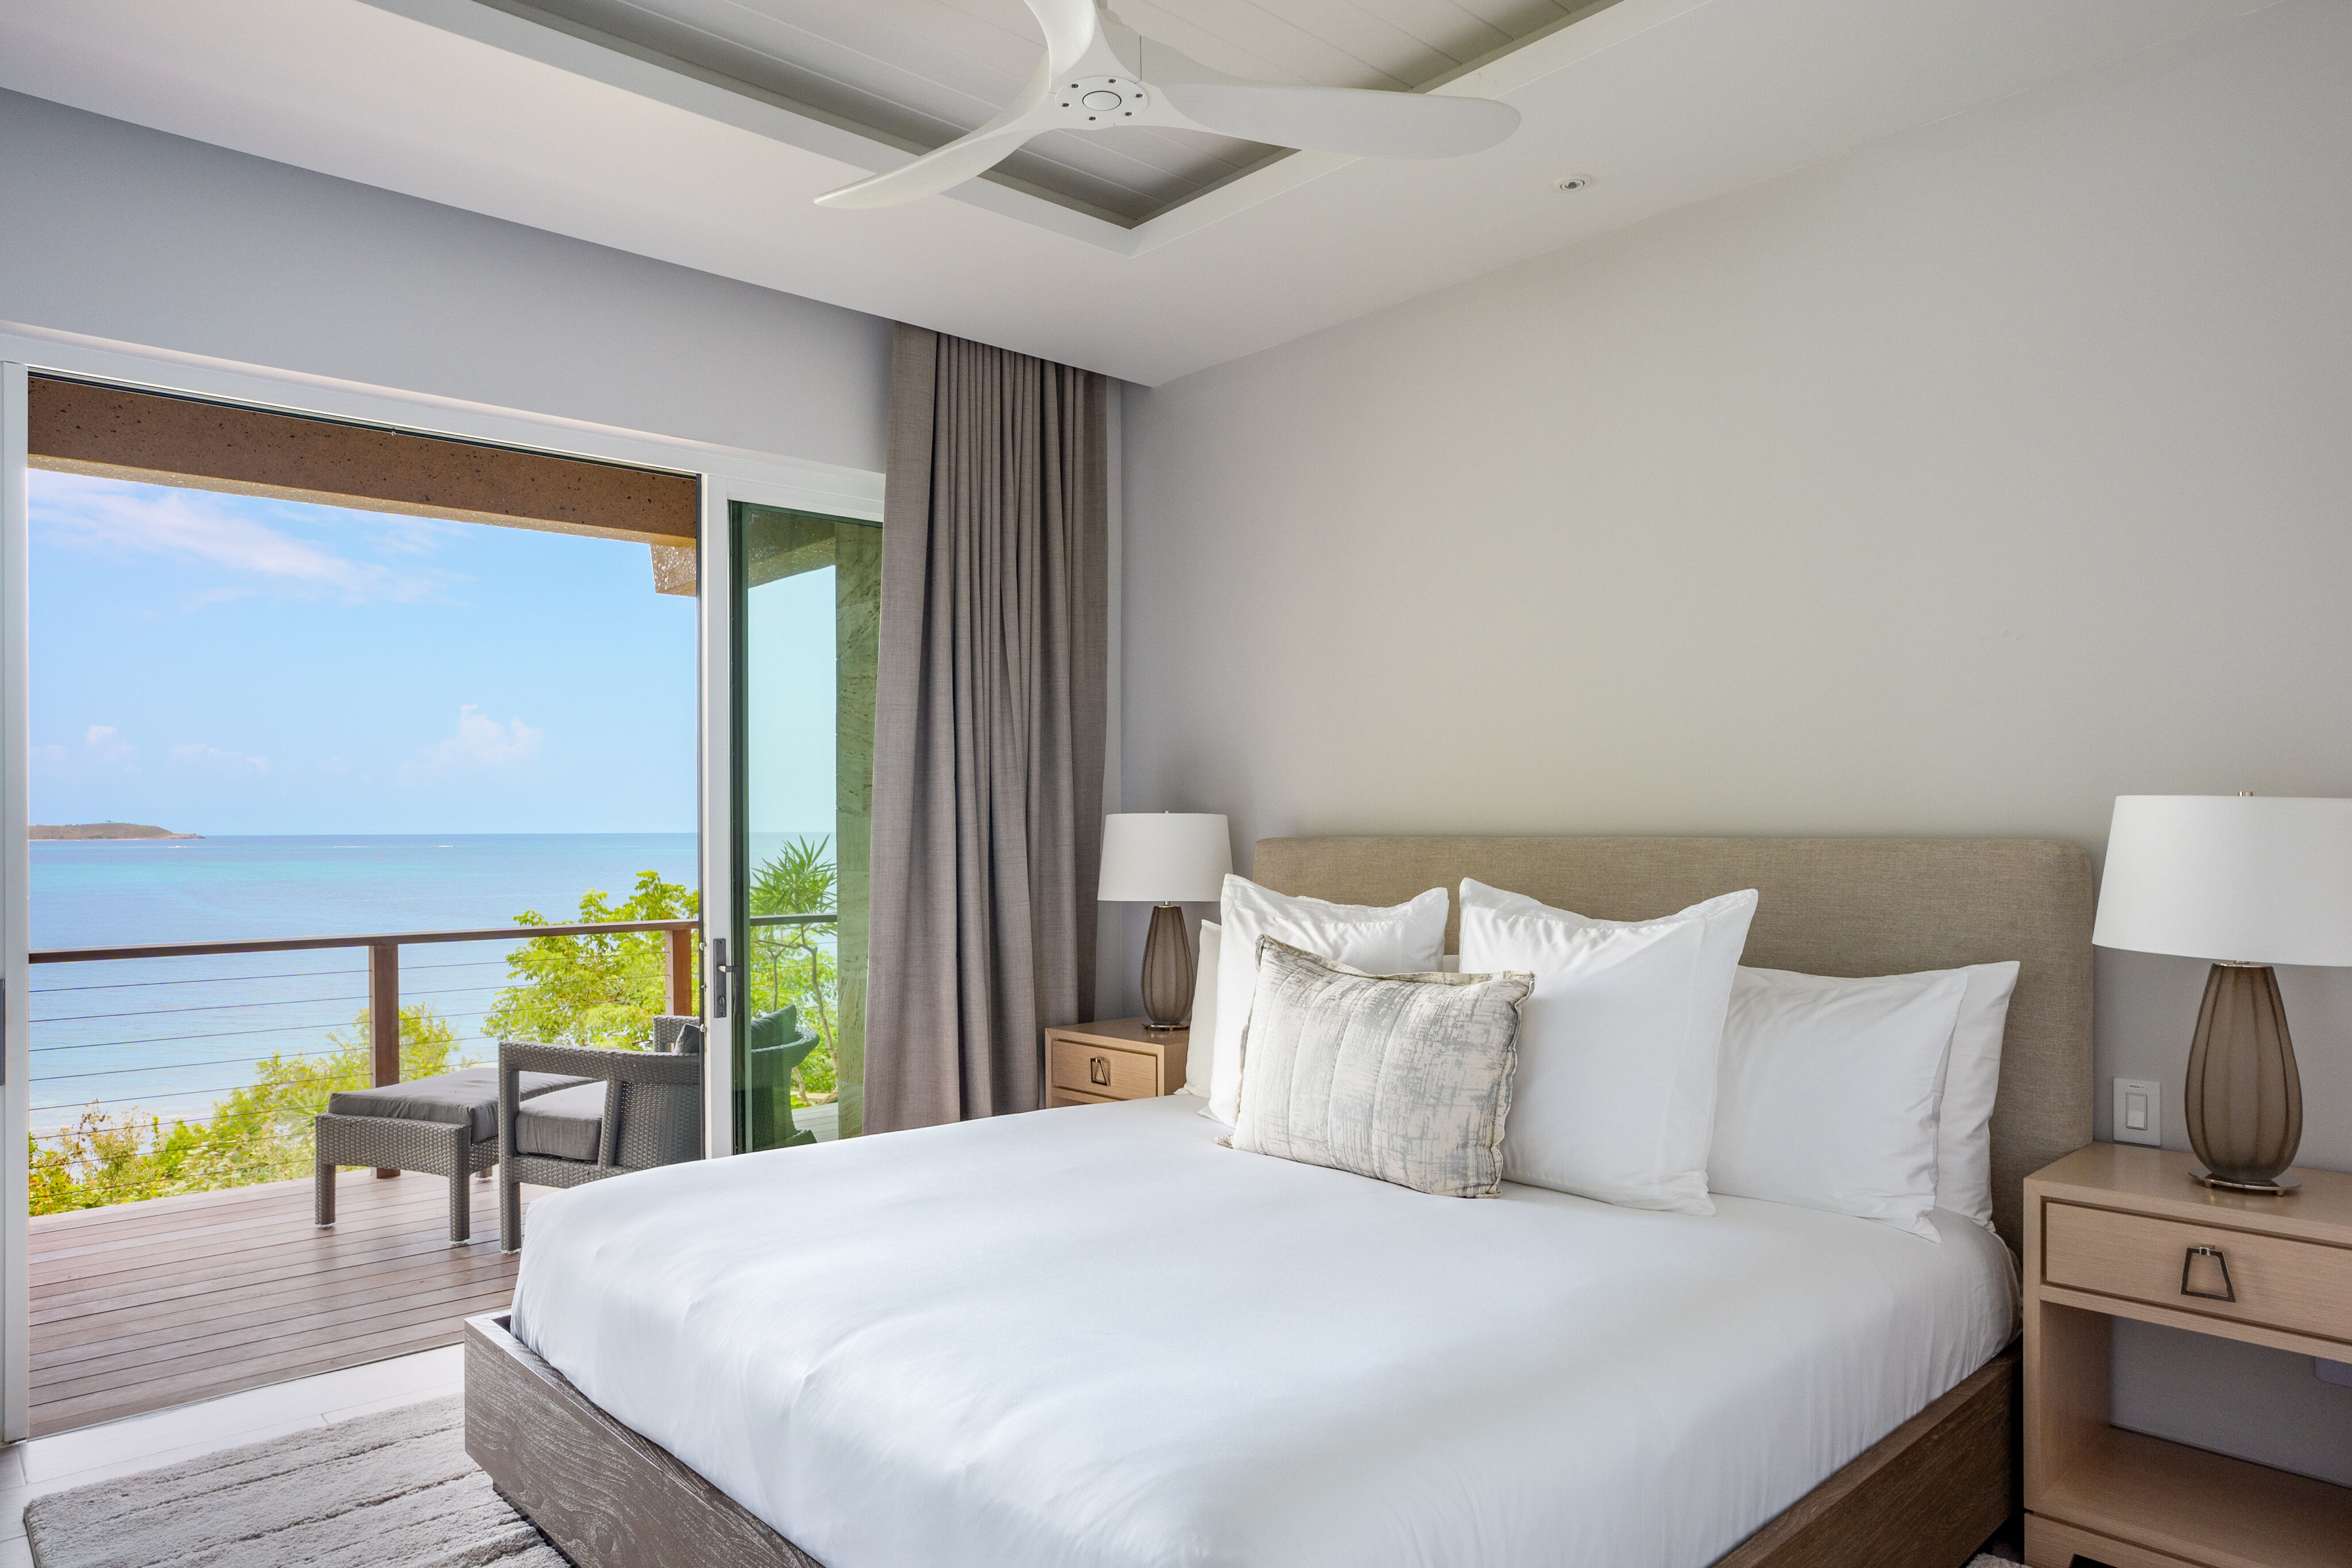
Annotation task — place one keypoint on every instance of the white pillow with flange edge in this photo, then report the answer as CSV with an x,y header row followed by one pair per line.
x,y
1829,1091
1204,1011
1971,1083
1614,1098
1399,939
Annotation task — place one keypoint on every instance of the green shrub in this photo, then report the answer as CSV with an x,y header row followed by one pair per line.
x,y
592,990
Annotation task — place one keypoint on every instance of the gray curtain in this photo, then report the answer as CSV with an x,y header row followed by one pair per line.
x,y
988,727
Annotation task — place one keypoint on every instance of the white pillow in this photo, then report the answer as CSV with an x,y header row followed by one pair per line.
x,y
1828,1093
1615,1097
1204,1011
1404,939
1971,1079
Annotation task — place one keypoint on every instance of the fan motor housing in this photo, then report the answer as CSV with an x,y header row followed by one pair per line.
x,y
1090,103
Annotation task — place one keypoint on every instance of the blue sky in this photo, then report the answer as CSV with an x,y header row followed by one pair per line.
x,y
220,664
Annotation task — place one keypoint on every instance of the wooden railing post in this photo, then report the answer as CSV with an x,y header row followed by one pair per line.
x,y
384,1015
678,966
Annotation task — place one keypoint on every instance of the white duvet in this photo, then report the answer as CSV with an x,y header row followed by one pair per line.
x,y
1091,1337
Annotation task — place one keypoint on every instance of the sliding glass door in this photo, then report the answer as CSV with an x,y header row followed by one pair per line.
x,y
806,596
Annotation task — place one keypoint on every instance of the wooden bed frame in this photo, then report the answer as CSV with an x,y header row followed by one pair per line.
x,y
1925,1495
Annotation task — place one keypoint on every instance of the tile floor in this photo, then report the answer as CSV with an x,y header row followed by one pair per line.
x,y
92,1454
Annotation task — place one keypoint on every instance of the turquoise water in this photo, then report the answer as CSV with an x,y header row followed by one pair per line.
x,y
170,1036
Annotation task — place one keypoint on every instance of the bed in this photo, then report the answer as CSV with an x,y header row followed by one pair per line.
x,y
1095,1337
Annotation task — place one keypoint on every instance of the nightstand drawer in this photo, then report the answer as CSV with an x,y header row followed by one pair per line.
x,y
1105,1072
2300,1287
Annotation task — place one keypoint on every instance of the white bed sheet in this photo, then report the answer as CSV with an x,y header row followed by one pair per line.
x,y
1091,1337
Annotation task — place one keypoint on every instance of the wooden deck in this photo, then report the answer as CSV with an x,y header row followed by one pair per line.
x,y
144,1305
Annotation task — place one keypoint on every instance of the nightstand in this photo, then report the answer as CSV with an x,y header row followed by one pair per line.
x,y
2117,1230
1089,1063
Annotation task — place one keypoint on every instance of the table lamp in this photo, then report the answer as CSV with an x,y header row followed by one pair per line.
x,y
1165,857
2247,882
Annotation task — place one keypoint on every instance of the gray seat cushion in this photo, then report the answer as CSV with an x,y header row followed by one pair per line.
x,y
467,1095
562,1125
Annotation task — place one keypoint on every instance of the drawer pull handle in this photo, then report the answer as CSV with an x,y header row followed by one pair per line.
x,y
1098,1071
2227,1292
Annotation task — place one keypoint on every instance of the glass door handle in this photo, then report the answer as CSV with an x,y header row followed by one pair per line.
x,y
727,979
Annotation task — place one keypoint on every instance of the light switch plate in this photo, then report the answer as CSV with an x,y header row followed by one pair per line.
x,y
2139,1111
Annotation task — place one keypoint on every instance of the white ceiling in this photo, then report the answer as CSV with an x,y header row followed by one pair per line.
x,y
698,132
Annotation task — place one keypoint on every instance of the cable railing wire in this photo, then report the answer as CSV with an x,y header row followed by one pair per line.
x,y
266,1002
271,1002
219,1034
208,980
177,1066
207,1008
225,979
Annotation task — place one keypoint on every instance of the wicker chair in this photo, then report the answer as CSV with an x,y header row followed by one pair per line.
x,y
638,1110
775,1044
444,1125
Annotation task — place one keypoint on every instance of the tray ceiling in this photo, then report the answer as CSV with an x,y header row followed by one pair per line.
x,y
920,73
663,144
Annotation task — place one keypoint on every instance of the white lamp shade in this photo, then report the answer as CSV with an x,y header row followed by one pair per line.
x,y
1164,857
2253,879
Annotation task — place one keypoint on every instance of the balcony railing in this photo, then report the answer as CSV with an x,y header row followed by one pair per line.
x,y
383,965
382,996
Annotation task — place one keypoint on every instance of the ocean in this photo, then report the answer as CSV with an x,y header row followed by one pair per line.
x,y
168,1037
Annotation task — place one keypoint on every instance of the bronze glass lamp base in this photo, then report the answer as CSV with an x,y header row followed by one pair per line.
x,y
2244,1098
1167,969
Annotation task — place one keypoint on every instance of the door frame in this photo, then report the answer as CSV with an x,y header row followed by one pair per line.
x,y
16,911
726,473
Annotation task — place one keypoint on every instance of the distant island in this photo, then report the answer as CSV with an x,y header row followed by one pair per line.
x,y
83,830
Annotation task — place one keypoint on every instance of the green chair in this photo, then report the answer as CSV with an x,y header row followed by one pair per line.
x,y
777,1045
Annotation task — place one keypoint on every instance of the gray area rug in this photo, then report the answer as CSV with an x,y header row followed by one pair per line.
x,y
388,1490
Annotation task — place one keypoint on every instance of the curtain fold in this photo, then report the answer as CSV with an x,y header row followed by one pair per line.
x,y
989,728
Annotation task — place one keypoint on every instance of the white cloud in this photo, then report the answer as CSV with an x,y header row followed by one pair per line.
x,y
106,745
212,759
481,744
220,531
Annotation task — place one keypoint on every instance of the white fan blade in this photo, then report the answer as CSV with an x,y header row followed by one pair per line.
x,y
1070,26
936,170
975,152
1367,123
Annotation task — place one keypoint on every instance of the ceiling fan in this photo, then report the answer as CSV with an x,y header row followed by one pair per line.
x,y
1099,72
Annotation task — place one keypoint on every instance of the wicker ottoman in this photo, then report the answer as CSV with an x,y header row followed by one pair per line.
x,y
445,1125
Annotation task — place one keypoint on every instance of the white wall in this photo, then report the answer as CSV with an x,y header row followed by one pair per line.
x,y
1955,487
116,231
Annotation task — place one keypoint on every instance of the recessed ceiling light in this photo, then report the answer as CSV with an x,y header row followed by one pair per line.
x,y
1571,182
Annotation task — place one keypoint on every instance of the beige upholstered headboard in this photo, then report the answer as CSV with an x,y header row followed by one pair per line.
x,y
1828,906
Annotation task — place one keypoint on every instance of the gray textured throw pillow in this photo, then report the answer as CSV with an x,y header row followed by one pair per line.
x,y
1406,1078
